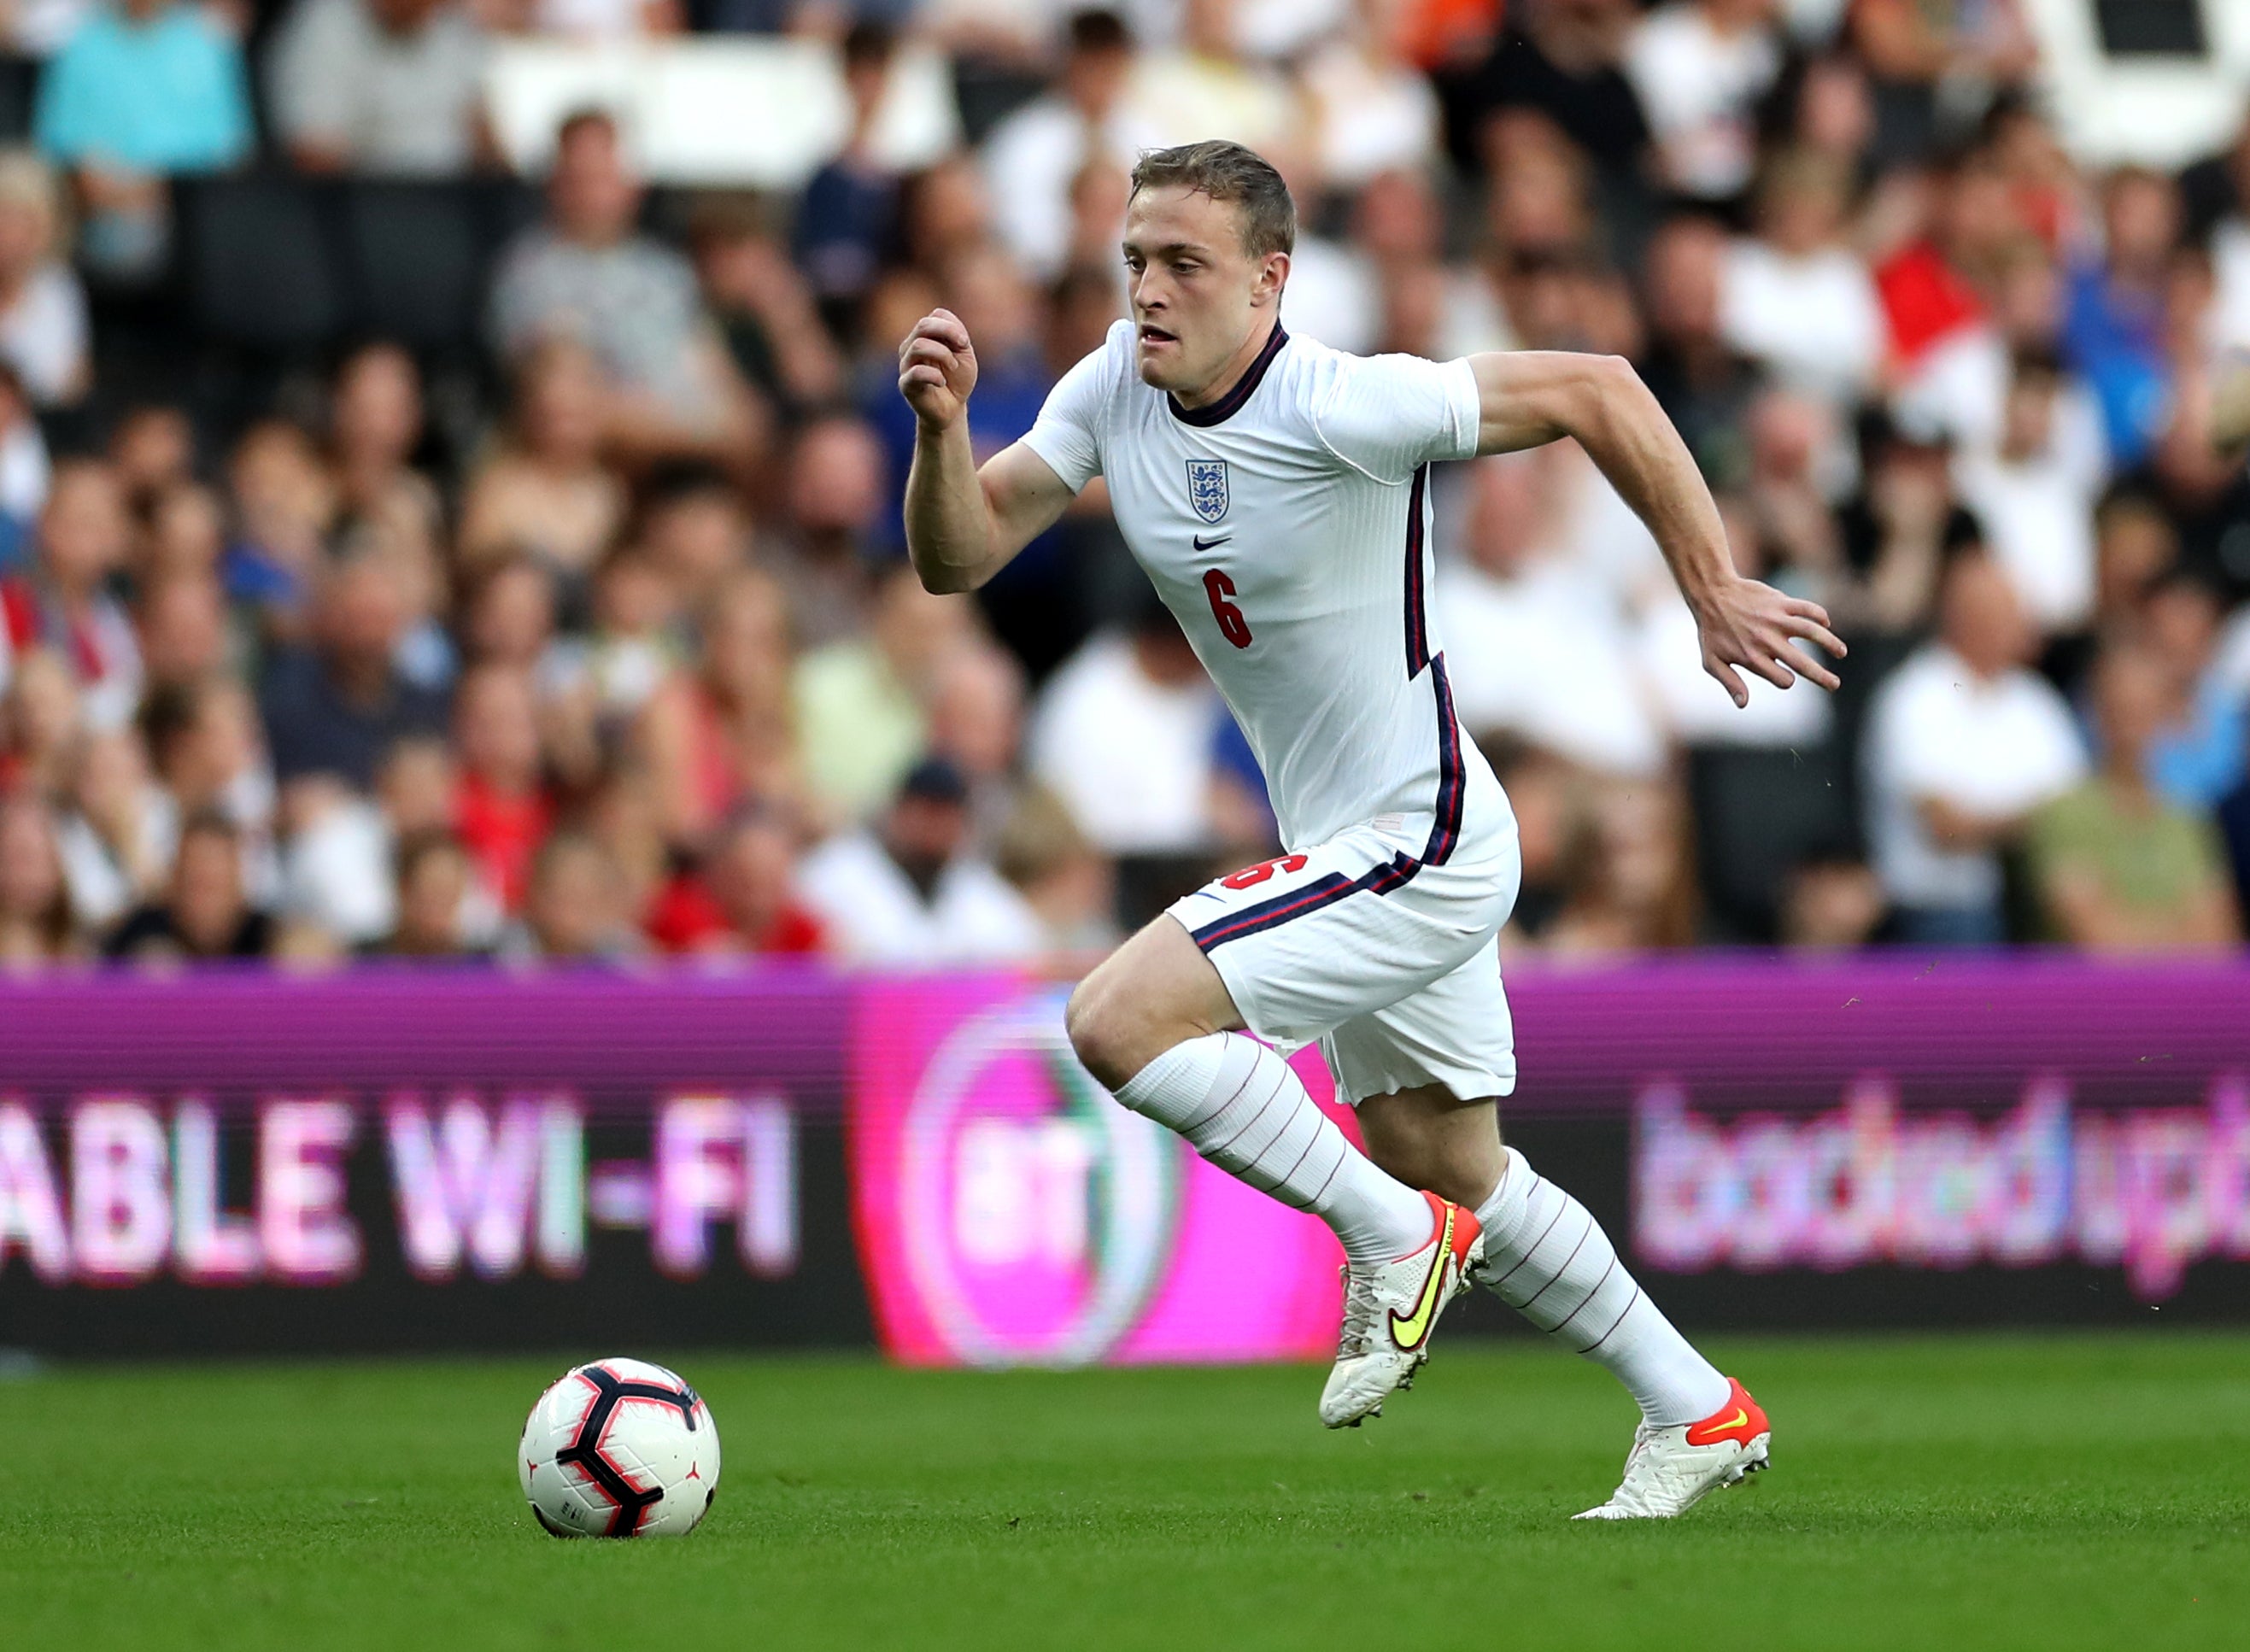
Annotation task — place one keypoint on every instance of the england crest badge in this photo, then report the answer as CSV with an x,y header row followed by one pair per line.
x,y
1207,488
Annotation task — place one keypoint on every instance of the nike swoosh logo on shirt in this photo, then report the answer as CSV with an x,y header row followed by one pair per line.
x,y
1201,543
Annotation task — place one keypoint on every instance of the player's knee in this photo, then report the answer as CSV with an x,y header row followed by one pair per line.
x,y
1096,1021
1114,1029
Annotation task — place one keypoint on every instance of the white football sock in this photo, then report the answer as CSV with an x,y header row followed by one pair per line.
x,y
1547,1257
1241,1108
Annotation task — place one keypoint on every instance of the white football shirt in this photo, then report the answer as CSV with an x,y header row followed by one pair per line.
x,y
1287,527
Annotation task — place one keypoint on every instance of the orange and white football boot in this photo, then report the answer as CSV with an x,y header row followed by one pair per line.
x,y
1390,1311
1672,1468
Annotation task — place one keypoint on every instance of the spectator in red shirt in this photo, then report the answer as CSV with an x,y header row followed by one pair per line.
x,y
502,810
64,603
1936,285
744,899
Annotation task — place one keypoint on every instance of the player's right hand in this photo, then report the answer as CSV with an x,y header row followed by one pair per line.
x,y
937,369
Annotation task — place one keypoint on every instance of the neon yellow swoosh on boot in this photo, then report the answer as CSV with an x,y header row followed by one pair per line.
x,y
1409,1333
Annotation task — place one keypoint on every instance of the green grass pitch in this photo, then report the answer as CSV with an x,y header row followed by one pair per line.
x,y
1931,1493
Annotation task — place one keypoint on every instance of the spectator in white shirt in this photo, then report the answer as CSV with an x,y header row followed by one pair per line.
x,y
1374,110
1536,646
2035,502
1430,307
1797,299
39,28
390,86
43,319
338,873
1032,157
1700,67
2230,251
1124,735
1206,89
1963,743
1282,31
1333,294
25,470
118,838
912,894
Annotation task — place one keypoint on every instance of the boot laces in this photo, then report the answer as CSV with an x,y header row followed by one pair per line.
x,y
1629,1489
1360,1311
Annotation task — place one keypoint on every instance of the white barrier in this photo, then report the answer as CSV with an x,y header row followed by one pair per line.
x,y
760,114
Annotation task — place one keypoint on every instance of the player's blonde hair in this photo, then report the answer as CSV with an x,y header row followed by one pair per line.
x,y
1228,172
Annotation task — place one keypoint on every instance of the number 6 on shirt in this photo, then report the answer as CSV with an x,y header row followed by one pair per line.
x,y
1232,625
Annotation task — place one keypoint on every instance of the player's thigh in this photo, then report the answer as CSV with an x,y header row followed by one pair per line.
x,y
1152,992
1312,939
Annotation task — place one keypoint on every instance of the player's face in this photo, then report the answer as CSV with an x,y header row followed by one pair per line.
x,y
1197,295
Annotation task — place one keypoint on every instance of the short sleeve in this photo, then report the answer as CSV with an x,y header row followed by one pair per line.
x,y
1067,433
1388,416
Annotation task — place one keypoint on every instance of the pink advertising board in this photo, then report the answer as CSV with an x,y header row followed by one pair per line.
x,y
1009,1212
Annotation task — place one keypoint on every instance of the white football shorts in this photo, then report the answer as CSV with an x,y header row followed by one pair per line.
x,y
1381,944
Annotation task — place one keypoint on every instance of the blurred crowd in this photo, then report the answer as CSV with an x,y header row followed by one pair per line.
x,y
603,645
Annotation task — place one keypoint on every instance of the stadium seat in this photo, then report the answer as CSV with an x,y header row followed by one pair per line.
x,y
19,88
257,265
502,206
1758,814
415,257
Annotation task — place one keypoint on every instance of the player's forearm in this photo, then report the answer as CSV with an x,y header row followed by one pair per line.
x,y
1627,433
949,529
1529,398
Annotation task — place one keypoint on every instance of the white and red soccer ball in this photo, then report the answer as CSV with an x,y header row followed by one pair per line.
x,y
619,1448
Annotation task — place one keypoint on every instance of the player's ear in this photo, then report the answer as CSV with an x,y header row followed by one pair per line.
x,y
1273,276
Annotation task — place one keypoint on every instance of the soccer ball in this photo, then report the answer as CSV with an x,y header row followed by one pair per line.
x,y
619,1448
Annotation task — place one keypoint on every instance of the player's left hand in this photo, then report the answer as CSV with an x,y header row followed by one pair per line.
x,y
1753,626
